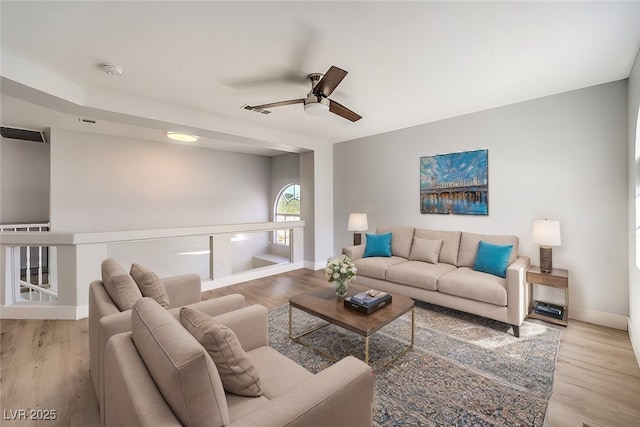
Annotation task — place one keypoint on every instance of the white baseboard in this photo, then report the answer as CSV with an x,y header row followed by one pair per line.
x,y
28,311
256,273
616,321
314,265
635,342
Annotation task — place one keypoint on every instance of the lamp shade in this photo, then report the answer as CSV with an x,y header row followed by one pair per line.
x,y
357,222
546,232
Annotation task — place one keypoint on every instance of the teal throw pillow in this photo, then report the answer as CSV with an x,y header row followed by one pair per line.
x,y
378,245
493,259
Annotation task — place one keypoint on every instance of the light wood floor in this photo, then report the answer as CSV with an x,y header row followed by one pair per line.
x,y
44,365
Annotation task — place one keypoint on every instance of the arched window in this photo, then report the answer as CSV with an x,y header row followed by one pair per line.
x,y
287,208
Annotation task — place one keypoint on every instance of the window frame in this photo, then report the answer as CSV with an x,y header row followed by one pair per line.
x,y
281,236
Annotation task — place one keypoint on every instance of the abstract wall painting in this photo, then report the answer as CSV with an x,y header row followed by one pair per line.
x,y
455,183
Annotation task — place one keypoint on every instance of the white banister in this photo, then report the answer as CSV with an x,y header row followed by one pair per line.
x,y
26,287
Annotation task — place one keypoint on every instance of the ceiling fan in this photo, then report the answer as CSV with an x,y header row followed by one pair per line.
x,y
317,100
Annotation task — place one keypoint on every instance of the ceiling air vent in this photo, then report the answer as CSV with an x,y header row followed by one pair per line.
x,y
23,134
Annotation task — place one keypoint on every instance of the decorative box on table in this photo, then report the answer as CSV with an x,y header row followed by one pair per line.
x,y
368,302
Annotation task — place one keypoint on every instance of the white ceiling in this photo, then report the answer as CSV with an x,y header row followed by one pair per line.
x,y
193,65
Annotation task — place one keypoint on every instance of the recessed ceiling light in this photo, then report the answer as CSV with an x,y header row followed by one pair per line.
x,y
182,137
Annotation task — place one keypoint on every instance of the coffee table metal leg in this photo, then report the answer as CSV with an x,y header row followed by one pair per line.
x,y
413,326
366,350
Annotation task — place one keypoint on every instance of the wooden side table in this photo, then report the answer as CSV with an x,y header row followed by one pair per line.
x,y
558,278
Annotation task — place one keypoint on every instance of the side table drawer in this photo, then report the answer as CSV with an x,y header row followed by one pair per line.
x,y
547,279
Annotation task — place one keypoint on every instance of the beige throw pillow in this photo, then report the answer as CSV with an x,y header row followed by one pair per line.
x,y
180,367
150,284
120,286
425,250
237,373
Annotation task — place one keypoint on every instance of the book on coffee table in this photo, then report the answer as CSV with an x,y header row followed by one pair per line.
x,y
366,303
370,297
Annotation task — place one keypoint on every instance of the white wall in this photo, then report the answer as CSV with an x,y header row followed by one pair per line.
x,y
323,179
24,181
634,206
285,169
562,157
307,206
106,183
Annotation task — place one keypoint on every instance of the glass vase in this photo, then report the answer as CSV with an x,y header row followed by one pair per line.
x,y
342,287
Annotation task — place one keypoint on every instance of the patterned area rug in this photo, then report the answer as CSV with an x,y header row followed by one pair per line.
x,y
464,370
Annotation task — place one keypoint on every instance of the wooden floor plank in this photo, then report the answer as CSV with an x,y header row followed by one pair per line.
x,y
44,364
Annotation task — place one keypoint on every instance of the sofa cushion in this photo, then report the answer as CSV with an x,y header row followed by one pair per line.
x,y
278,373
181,368
450,243
401,240
120,286
236,371
492,259
471,284
378,245
469,246
150,284
418,274
425,250
376,267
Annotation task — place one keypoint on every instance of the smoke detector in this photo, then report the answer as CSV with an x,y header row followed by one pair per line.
x,y
112,69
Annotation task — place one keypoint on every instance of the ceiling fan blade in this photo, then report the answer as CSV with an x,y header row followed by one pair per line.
x,y
329,81
343,111
279,104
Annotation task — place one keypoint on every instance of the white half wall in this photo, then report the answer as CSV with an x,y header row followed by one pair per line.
x,y
107,183
562,157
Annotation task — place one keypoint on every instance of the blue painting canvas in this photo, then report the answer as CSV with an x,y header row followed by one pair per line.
x,y
456,183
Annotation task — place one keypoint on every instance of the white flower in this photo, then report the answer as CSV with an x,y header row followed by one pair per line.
x,y
340,268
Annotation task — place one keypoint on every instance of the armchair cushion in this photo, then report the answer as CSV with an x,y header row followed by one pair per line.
x,y
120,286
237,373
150,284
184,373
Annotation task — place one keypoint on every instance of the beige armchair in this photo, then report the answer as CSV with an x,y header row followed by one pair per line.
x,y
106,320
159,374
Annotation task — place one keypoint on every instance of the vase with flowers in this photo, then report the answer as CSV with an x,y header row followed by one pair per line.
x,y
340,271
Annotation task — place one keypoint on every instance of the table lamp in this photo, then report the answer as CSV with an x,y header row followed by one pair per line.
x,y
357,223
546,233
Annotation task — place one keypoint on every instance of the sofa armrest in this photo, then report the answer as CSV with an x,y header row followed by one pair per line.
x,y
109,326
517,292
214,306
250,324
131,396
184,289
354,252
100,305
342,394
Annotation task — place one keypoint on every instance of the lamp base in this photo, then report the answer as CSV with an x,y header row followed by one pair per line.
x,y
546,264
357,239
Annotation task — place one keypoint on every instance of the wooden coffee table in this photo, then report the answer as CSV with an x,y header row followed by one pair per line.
x,y
324,304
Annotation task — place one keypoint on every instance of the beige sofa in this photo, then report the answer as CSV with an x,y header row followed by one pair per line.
x,y
159,374
106,319
448,277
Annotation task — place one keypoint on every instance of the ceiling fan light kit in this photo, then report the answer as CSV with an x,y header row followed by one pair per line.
x,y
317,101
316,107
